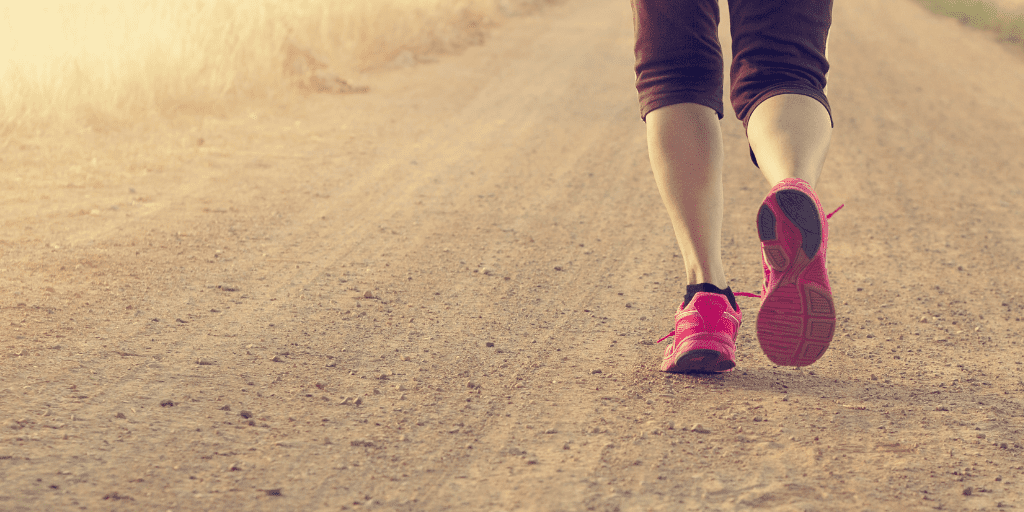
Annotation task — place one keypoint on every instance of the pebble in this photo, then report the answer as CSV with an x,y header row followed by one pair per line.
x,y
700,429
245,414
489,344
368,294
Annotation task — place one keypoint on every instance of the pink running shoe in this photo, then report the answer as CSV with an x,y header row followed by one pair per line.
x,y
797,316
705,336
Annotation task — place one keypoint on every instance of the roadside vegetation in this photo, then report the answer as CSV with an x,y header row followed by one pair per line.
x,y
95,63
1008,25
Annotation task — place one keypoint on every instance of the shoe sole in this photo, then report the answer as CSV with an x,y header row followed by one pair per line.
x,y
701,361
797,319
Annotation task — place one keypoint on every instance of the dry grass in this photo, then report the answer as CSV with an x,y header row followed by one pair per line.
x,y
74,63
984,15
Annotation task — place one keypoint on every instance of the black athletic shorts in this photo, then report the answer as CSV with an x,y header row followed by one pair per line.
x,y
778,47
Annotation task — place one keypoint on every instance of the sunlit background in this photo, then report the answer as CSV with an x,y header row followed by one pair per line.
x,y
94,62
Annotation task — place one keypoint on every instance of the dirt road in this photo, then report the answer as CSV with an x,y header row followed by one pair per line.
x,y
442,295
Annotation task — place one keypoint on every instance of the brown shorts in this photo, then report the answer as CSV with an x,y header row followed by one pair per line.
x,y
778,47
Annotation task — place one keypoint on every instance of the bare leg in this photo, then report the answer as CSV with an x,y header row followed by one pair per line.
x,y
790,135
685,146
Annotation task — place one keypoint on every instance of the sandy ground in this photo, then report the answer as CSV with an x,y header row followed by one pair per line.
x,y
442,295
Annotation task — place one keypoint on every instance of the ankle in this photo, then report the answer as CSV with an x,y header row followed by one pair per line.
x,y
693,289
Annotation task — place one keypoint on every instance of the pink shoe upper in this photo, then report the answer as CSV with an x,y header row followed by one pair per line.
x,y
708,322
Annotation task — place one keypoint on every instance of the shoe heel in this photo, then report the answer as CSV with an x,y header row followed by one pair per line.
x,y
803,213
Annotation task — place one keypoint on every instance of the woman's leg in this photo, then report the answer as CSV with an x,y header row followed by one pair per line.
x,y
790,135
685,145
778,90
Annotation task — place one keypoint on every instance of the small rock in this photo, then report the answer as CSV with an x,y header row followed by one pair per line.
x,y
558,268
277,359
166,403
204,362
472,385
968,491
359,401
489,344
226,408
120,415
368,294
235,467
400,387
595,371
700,429
331,364
362,442
273,492
245,414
